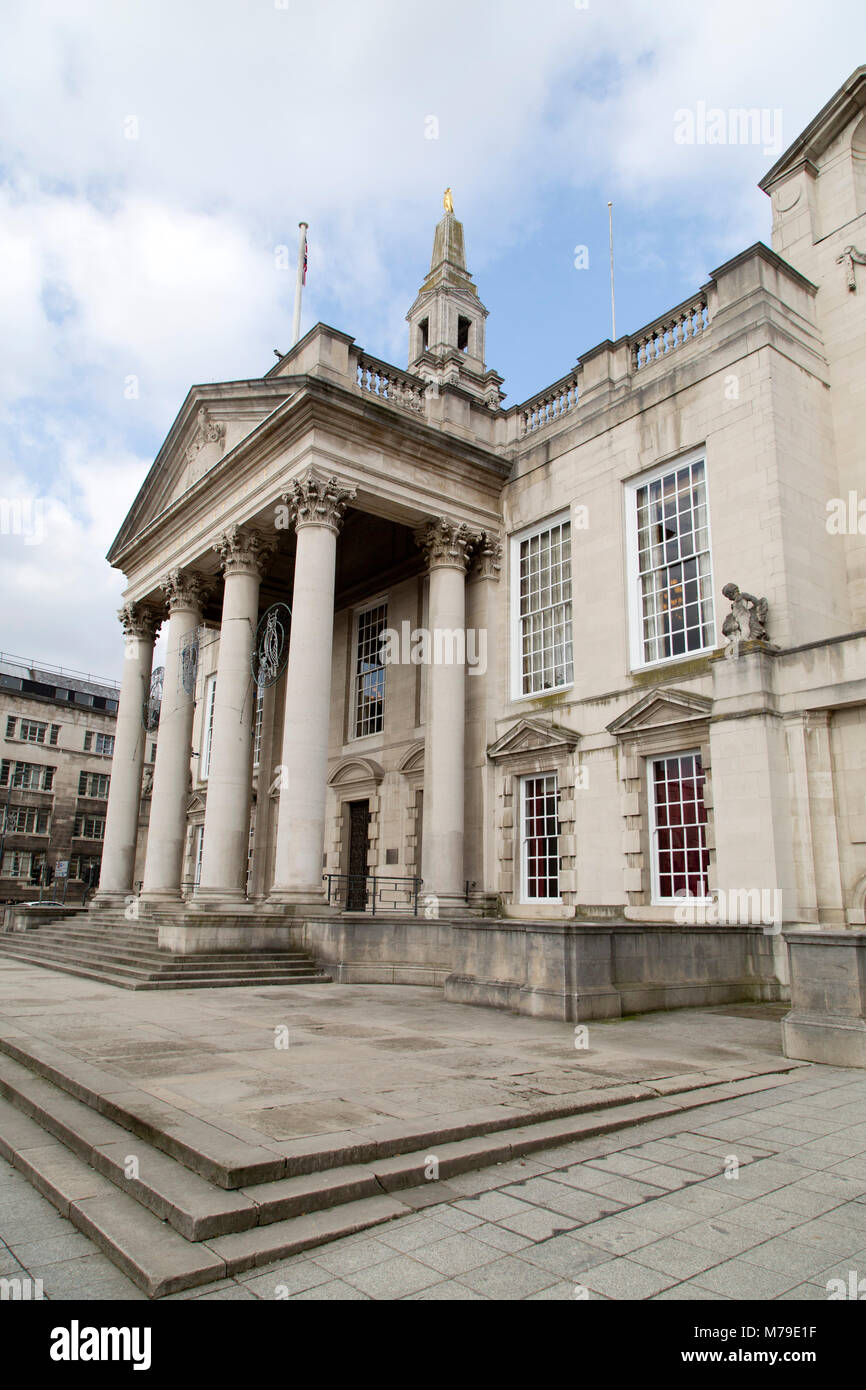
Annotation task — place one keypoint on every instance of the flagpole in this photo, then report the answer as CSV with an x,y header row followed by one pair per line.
x,y
612,301
299,283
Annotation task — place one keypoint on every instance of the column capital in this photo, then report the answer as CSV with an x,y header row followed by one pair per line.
x,y
183,589
446,544
317,501
487,558
243,551
140,620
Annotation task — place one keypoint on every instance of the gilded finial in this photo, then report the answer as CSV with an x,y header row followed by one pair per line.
x,y
448,201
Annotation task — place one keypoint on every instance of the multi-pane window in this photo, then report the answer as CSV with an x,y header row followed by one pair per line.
x,y
207,739
85,868
89,827
31,732
95,784
542,565
671,567
539,838
257,725
17,864
11,723
27,820
27,776
98,743
370,671
197,847
680,855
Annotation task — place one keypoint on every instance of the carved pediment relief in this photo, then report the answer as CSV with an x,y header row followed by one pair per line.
x,y
533,736
659,709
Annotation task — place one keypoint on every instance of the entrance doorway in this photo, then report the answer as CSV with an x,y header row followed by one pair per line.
x,y
359,839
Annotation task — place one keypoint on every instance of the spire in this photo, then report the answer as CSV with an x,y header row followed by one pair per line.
x,y
446,322
448,262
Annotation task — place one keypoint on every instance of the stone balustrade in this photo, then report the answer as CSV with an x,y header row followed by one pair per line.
x,y
389,384
676,328
549,405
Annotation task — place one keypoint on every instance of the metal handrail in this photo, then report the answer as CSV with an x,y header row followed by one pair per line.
x,y
375,898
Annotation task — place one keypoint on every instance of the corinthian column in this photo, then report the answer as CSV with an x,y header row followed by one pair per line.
x,y
229,784
165,839
447,548
140,625
318,507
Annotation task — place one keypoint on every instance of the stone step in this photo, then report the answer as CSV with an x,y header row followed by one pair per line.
x,y
170,1229
159,961
144,950
143,980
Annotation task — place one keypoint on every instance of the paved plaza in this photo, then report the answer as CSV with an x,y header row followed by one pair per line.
x,y
758,1196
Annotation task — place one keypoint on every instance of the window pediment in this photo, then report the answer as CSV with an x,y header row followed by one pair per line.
x,y
352,770
533,736
660,709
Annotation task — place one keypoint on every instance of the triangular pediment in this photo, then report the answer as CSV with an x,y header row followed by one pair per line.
x,y
848,103
196,804
660,708
212,423
531,736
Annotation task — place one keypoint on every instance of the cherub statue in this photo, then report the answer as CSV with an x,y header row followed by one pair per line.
x,y
747,618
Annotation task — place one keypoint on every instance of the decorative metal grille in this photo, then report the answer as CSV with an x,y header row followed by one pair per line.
x,y
271,650
189,661
153,704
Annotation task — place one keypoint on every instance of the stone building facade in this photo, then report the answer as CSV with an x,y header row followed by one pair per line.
x,y
57,732
596,659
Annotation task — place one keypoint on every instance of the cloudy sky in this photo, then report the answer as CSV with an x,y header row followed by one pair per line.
x,y
154,153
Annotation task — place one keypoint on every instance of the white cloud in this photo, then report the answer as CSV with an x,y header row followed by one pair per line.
x,y
153,256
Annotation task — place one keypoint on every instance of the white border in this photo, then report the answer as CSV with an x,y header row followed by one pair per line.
x,y
523,899
633,595
656,900
368,606
516,653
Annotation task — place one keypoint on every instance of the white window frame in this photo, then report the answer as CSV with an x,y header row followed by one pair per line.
x,y
354,736
633,578
258,715
525,899
197,847
40,730
17,859
657,899
207,727
101,741
91,780
516,540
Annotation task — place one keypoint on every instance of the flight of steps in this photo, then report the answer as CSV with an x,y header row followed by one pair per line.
x,y
176,1201
116,952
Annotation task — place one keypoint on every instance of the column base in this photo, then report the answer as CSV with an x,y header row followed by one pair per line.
x,y
217,900
162,898
111,898
308,900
